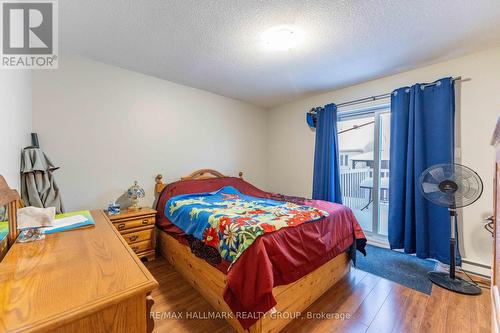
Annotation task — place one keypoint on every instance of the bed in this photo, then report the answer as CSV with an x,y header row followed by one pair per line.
x,y
279,275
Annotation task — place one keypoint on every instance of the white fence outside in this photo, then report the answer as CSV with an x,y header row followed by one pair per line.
x,y
352,195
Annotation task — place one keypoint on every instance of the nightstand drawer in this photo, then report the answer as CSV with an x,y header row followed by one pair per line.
x,y
137,228
141,246
138,236
134,223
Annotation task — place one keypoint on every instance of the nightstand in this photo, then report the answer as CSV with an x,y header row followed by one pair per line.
x,y
137,227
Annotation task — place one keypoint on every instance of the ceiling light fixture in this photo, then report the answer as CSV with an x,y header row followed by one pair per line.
x,y
282,38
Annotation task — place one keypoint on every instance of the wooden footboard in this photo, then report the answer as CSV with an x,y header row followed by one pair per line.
x,y
291,298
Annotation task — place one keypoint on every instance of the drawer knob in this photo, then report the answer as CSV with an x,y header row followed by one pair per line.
x,y
133,238
135,248
145,221
121,226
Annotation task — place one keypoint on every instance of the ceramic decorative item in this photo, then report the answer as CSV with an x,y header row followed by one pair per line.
x,y
113,208
134,193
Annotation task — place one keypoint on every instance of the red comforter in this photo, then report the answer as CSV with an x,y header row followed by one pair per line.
x,y
273,259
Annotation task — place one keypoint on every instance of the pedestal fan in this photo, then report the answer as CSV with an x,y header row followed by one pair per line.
x,y
452,186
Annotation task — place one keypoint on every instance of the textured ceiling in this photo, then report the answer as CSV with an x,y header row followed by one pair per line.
x,y
215,45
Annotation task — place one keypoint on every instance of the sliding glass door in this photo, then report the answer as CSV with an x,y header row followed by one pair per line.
x,y
384,136
364,137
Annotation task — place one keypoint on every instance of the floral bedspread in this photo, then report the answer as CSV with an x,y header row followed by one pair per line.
x,y
231,221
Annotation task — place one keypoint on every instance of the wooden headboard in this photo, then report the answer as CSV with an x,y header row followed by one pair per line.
x,y
198,174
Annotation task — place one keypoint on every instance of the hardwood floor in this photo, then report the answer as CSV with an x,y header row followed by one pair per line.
x,y
374,304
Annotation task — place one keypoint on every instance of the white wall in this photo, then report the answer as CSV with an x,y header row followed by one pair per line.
x,y
15,122
291,143
107,127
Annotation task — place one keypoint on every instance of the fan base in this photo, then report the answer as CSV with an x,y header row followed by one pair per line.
x,y
457,284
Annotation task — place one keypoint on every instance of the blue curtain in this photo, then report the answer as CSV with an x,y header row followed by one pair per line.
x,y
422,134
326,178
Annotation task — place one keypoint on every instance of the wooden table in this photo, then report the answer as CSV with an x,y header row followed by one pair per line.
x,y
86,280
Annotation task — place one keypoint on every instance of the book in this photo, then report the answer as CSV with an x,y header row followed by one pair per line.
x,y
70,221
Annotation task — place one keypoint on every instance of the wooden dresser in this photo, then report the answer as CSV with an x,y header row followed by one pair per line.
x,y
86,280
138,229
495,268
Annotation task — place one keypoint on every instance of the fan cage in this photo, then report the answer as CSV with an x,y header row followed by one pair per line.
x,y
469,185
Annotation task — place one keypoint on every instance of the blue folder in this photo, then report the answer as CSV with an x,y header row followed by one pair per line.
x,y
85,213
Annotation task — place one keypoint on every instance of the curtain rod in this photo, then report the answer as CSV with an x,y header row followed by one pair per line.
x,y
382,96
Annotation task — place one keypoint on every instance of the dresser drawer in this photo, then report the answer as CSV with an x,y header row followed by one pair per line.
x,y
138,236
134,223
142,246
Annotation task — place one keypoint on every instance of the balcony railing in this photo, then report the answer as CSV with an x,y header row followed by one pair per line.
x,y
353,195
